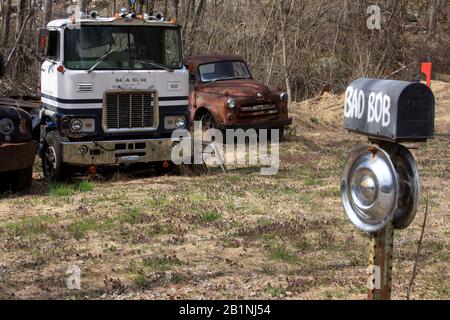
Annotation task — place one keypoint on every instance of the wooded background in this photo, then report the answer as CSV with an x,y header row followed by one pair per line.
x,y
304,46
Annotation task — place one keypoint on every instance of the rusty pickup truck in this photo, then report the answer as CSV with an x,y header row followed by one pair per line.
x,y
17,147
224,95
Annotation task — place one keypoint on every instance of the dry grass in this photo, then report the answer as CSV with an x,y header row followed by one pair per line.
x,y
233,236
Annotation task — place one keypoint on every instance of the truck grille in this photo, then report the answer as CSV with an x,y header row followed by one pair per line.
x,y
256,110
132,110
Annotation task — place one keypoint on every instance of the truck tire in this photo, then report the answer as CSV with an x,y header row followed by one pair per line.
x,y
22,180
53,168
208,122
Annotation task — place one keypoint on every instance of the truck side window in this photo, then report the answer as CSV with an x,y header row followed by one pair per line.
x,y
53,41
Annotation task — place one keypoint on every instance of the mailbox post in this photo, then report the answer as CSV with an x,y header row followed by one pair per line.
x,y
380,186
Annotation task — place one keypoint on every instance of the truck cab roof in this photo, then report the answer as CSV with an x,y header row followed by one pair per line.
x,y
61,23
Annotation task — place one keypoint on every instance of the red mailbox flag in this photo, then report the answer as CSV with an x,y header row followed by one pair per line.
x,y
426,69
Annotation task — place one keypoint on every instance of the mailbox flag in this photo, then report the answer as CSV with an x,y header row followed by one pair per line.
x,y
426,70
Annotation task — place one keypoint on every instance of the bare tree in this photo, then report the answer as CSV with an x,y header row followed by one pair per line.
x,y
6,22
83,4
48,12
20,15
176,6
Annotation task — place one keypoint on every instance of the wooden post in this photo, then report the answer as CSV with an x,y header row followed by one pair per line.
x,y
381,248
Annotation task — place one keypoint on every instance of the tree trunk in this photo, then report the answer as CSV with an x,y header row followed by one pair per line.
x,y
48,12
83,5
433,15
151,7
140,7
187,10
166,8
285,67
176,5
20,15
6,23
196,20
285,10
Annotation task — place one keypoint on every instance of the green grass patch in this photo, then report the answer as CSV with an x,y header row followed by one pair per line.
x,y
234,178
313,181
280,253
158,230
265,222
85,186
158,202
314,120
133,216
332,192
31,226
303,245
61,190
306,198
161,263
274,292
302,171
141,281
210,216
289,192
80,229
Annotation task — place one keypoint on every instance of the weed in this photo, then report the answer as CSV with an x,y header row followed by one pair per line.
x,y
210,216
161,263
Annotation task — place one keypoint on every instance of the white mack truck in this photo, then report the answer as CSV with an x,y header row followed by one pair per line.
x,y
113,90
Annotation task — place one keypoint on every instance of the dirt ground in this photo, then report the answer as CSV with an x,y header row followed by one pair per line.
x,y
225,236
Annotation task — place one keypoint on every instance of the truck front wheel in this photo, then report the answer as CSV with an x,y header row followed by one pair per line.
x,y
52,160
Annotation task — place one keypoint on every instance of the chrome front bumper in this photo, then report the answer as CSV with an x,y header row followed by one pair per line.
x,y
117,152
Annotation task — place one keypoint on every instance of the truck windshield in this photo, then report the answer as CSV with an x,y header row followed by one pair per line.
x,y
127,48
224,70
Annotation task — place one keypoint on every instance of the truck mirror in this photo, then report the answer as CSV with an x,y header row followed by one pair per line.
x,y
43,39
390,110
48,44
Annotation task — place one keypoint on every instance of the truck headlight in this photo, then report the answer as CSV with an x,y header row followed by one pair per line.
x,y
82,125
231,103
175,122
76,125
180,122
284,97
6,126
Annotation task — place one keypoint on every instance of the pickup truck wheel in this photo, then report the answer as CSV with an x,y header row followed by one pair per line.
x,y
23,179
52,165
208,122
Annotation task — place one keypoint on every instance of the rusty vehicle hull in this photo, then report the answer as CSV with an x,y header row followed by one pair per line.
x,y
16,166
17,149
17,156
256,105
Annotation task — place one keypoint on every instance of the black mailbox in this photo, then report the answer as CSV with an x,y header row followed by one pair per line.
x,y
390,110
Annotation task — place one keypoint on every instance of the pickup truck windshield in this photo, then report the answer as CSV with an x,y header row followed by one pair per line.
x,y
126,48
224,70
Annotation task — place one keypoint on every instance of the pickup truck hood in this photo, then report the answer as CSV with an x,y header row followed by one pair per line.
x,y
237,88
